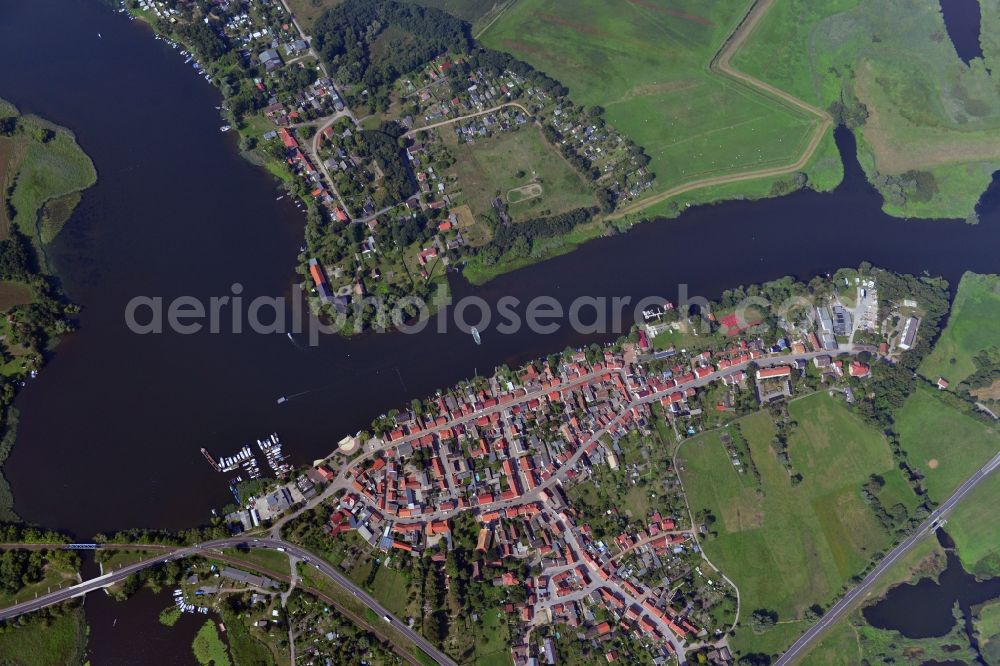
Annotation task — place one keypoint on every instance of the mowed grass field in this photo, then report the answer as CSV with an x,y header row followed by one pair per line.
x,y
973,326
490,167
975,527
646,62
927,109
943,443
817,534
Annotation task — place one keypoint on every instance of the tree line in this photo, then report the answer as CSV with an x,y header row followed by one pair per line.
x,y
516,239
409,35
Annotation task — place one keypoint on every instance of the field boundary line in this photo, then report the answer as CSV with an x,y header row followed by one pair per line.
x,y
720,64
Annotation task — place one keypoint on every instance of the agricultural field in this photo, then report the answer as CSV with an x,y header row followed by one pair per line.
x,y
927,110
944,444
973,327
646,63
835,532
14,293
520,167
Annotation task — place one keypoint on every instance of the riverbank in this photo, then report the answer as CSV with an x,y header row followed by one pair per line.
x,y
42,174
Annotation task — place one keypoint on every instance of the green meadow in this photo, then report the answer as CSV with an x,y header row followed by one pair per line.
x,y
43,642
927,110
973,326
646,62
497,165
943,443
818,533
974,525
987,627
42,172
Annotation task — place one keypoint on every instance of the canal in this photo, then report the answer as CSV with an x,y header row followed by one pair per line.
x,y
111,431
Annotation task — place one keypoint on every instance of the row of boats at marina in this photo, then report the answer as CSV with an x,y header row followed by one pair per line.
x,y
189,57
246,460
185,607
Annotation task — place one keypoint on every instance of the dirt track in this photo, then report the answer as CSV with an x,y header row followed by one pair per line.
x,y
721,65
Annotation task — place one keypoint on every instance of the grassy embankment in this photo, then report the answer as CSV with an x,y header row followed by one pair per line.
x,y
818,534
928,111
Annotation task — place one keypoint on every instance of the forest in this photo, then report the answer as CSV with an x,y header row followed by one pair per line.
x,y
372,42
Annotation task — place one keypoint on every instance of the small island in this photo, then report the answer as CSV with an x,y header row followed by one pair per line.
x,y
43,173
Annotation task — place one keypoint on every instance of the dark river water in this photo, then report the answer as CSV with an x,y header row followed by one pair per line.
x,y
110,432
925,608
130,632
962,19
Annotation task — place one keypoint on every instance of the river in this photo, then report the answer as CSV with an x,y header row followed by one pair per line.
x,y
110,431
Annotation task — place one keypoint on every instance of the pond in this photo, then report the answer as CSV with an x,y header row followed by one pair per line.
x,y
926,609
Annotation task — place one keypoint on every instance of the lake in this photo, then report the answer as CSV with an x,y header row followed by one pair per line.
x,y
111,430
962,19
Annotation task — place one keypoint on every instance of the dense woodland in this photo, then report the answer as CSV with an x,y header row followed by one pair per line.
x,y
371,43
515,240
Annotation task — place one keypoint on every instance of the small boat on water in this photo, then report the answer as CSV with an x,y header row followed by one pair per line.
x,y
475,336
282,400
225,128
280,198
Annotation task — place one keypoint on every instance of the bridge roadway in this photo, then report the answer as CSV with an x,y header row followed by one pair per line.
x,y
206,549
848,601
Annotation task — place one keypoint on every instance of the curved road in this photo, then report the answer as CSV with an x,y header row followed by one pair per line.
x,y
801,647
720,64
205,548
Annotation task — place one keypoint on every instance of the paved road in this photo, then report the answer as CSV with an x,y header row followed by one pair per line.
x,y
801,647
205,549
329,571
